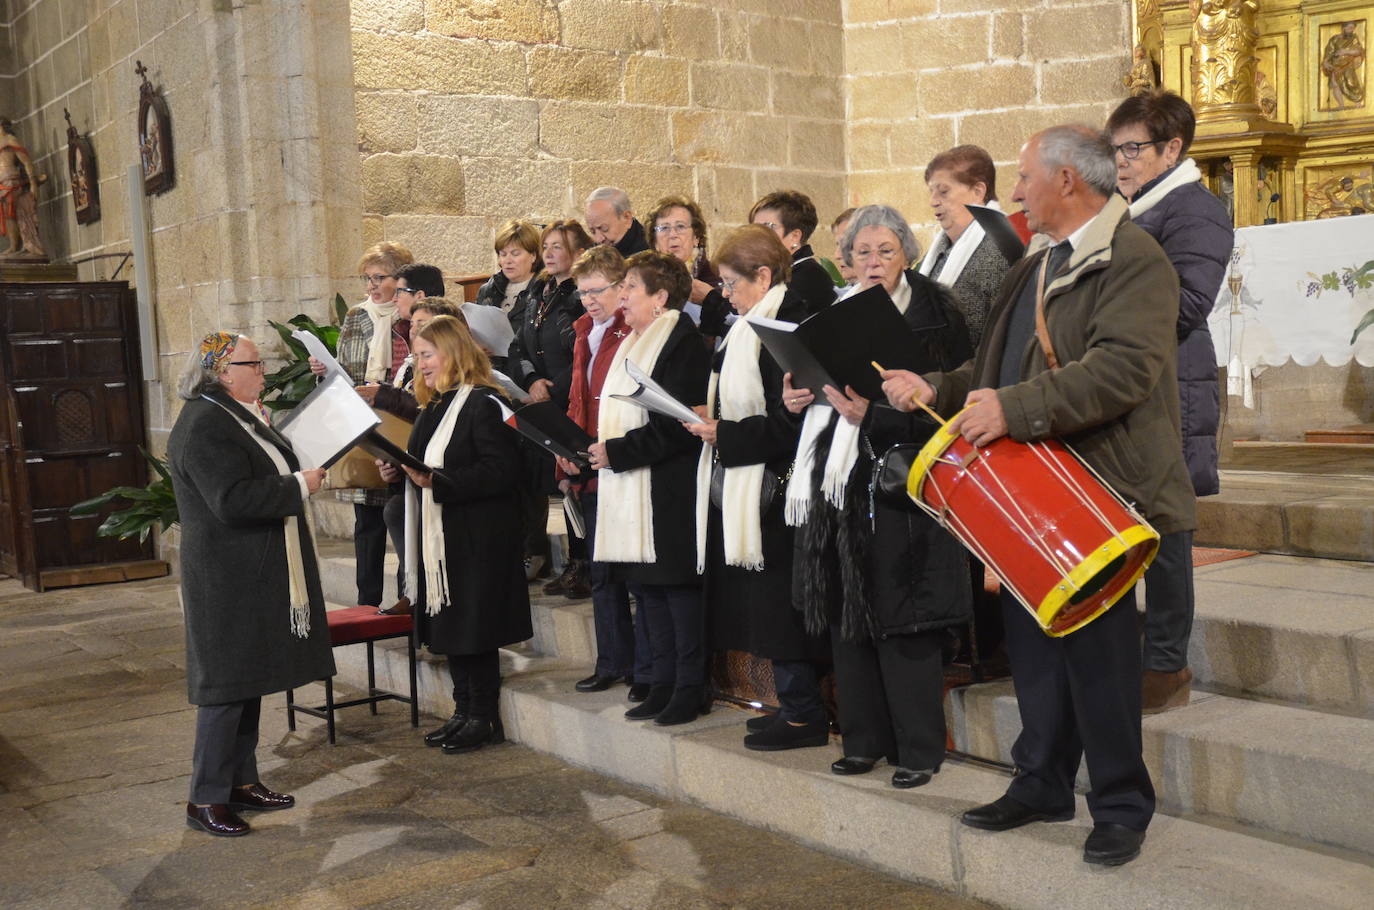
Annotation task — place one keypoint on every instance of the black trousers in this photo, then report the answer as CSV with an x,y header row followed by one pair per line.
x,y
369,547
476,683
798,684
394,515
676,628
615,628
1079,696
1169,603
225,754
891,697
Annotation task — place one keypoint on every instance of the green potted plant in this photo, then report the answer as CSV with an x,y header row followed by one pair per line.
x,y
289,385
150,506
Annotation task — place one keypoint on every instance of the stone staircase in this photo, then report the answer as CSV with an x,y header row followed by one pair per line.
x,y
1266,780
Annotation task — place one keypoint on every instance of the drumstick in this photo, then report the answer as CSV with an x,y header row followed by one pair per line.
x,y
916,399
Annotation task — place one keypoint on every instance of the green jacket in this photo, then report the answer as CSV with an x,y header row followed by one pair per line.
x,y
1111,316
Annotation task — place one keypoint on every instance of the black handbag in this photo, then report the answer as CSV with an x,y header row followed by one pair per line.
x,y
890,471
772,483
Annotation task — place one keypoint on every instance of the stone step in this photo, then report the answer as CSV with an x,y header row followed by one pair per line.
x,y
914,834
1324,516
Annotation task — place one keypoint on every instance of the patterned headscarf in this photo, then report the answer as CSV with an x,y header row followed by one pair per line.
x,y
215,350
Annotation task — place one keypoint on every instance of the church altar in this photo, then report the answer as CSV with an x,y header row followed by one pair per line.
x,y
1295,291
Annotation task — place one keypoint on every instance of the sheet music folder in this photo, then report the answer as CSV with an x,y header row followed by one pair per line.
x,y
328,422
548,426
838,345
999,227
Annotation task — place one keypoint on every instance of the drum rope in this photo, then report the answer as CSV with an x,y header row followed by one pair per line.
x,y
962,534
1057,468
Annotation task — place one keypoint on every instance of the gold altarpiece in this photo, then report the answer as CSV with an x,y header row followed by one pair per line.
x,y
1281,89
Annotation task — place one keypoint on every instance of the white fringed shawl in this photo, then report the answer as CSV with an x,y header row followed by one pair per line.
x,y
430,522
383,316
959,253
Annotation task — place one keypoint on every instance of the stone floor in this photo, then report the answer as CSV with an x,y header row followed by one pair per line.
x,y
95,739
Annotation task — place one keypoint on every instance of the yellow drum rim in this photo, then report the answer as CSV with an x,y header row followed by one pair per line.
x,y
926,458
1099,559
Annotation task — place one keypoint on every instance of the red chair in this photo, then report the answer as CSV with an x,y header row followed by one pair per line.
x,y
353,626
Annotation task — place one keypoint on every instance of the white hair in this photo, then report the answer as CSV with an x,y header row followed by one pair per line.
x,y
1084,149
618,198
879,216
196,378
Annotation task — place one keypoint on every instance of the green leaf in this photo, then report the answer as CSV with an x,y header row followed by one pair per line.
x,y
833,271
158,464
340,309
1365,323
93,505
1331,282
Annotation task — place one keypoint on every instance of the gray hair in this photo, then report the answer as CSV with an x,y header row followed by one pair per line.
x,y
618,198
196,378
879,216
1084,149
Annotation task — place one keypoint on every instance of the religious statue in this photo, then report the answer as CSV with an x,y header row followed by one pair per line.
x,y
1341,64
1224,60
18,204
1141,79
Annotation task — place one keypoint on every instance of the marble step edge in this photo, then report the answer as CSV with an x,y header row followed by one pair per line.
x,y
1281,768
912,834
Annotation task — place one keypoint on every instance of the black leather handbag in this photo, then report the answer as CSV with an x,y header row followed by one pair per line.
x,y
890,471
772,483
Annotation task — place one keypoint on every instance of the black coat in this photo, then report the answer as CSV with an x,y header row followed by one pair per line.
x,y
1192,226
633,241
235,589
543,343
489,604
911,574
810,281
753,611
493,293
670,452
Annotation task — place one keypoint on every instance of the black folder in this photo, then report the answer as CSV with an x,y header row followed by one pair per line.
x,y
548,426
838,345
999,227
377,445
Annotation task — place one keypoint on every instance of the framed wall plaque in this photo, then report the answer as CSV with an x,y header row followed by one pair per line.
x,y
84,178
154,136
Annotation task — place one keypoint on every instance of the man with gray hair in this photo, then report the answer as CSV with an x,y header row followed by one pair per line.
x,y
611,220
1079,345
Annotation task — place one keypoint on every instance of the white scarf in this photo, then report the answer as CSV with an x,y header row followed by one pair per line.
x,y
844,442
405,373
297,588
431,517
383,316
1184,174
958,254
625,509
740,387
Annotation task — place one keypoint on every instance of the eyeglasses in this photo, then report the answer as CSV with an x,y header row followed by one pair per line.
x,y
728,284
369,280
401,290
675,228
595,293
1131,150
771,225
255,364
884,254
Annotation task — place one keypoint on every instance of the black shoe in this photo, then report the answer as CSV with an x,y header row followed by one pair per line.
x,y
905,778
1006,813
652,704
451,726
851,764
783,735
560,584
596,683
762,722
475,734
217,819
688,703
638,692
259,798
1112,845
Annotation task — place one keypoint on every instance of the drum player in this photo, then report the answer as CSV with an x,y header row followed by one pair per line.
x,y
1079,345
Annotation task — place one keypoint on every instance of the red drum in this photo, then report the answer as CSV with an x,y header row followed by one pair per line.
x,y
1056,535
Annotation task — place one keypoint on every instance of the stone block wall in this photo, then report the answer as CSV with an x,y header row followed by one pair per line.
x,y
924,75
472,113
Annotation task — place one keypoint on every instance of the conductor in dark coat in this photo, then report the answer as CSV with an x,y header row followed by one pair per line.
x,y
900,582
647,464
750,440
472,598
250,586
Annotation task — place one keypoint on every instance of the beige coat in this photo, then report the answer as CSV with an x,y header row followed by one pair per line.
x,y
1111,318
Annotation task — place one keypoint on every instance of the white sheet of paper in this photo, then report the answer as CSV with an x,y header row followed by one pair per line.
x,y
328,421
517,394
321,353
653,397
489,326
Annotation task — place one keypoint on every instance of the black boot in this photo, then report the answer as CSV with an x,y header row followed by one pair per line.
x,y
656,701
451,726
475,734
688,703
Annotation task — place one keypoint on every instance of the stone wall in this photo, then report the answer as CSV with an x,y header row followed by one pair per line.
x,y
471,113
263,221
924,75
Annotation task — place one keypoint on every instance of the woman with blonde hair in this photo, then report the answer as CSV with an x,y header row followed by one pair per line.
x,y
470,592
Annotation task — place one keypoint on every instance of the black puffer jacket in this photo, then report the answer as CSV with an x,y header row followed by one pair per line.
x,y
1192,226
543,344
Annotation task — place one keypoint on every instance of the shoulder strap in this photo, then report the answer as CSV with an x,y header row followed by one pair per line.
x,y
1042,332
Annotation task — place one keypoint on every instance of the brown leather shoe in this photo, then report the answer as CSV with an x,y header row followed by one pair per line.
x,y
399,608
256,796
217,819
1162,691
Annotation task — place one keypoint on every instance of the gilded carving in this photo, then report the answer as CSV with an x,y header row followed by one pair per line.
x,y
1342,69
1223,45
1141,79
1345,191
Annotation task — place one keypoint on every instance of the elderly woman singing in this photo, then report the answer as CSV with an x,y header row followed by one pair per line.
x,y
250,586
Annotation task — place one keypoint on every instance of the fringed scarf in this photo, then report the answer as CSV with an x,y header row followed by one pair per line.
x,y
431,517
625,510
739,386
383,316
